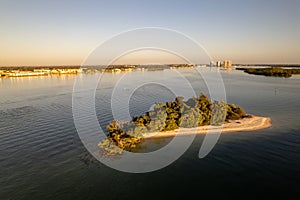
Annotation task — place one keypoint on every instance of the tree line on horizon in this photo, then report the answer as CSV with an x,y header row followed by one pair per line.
x,y
272,71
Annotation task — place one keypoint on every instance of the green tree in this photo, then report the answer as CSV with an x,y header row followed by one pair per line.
x,y
190,118
170,116
218,113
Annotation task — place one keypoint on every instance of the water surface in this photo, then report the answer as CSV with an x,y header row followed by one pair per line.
x,y
42,157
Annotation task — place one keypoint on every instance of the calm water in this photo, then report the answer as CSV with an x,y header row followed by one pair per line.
x,y
42,157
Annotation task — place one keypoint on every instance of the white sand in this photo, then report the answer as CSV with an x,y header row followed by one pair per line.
x,y
245,124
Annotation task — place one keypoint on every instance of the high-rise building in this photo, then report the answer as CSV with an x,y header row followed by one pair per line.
x,y
227,63
218,63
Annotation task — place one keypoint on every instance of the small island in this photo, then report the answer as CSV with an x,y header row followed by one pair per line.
x,y
271,71
197,115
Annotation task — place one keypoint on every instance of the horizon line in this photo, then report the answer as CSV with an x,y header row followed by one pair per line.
x,y
71,65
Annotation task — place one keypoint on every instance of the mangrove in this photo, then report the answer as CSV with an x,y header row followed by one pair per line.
x,y
196,111
271,71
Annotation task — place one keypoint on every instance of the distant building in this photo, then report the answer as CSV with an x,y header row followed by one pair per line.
x,y
218,63
227,63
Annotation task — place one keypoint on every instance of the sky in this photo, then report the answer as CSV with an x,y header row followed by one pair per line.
x,y
65,32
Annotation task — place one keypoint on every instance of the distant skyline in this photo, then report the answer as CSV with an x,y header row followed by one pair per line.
x,y
65,32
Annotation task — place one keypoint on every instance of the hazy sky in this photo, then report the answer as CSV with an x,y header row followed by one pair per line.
x,y
65,32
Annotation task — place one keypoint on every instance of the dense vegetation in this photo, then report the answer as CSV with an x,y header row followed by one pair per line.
x,y
166,117
273,71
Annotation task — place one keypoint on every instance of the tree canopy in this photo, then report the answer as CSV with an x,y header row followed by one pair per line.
x,y
196,111
272,71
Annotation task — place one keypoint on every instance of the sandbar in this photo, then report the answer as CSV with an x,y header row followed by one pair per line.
x,y
246,124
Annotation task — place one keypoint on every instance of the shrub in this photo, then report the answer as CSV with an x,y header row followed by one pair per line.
x,y
169,116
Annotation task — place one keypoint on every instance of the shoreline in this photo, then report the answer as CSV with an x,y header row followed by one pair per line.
x,y
8,72
245,124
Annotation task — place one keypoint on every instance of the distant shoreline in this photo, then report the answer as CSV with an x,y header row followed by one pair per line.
x,y
60,70
99,67
245,124
118,65
29,71
272,71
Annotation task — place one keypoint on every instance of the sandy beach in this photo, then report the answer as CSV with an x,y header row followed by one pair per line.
x,y
245,124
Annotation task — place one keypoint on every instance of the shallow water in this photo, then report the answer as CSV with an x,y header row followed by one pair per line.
x,y
42,157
